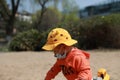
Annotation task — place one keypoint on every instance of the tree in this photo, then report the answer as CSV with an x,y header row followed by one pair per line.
x,y
9,14
4,9
42,3
56,3
70,11
11,19
50,18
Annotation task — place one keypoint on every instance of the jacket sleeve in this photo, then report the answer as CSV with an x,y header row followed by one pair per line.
x,y
82,67
53,72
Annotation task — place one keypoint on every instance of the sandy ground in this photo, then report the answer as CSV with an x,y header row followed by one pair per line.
x,y
34,65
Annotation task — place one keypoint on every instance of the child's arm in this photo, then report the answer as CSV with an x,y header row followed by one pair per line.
x,y
53,72
83,68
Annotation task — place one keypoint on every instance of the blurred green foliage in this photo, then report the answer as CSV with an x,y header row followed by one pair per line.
x,y
22,26
27,41
91,33
50,18
100,32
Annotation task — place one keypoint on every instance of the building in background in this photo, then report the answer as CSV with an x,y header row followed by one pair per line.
x,y
24,16
102,9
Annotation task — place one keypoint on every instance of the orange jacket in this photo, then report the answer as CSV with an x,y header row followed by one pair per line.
x,y
74,67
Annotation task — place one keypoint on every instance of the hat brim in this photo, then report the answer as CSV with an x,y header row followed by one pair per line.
x,y
52,46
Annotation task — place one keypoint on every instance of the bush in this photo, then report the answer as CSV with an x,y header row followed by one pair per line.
x,y
23,25
94,32
30,40
100,31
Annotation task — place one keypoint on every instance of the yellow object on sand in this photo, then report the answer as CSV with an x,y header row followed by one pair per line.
x,y
58,36
102,73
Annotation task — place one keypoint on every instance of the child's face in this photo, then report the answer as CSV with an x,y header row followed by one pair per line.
x,y
60,49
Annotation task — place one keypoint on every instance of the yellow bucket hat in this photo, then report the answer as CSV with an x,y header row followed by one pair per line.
x,y
58,36
104,74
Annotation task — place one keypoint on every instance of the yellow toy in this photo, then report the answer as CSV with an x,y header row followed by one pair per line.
x,y
103,74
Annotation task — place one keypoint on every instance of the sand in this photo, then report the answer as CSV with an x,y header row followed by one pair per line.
x,y
34,65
